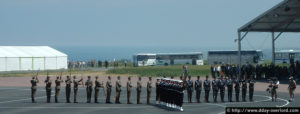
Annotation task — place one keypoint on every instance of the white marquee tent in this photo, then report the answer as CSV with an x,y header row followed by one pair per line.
x,y
22,58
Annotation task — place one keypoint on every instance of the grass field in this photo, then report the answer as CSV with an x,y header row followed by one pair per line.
x,y
162,70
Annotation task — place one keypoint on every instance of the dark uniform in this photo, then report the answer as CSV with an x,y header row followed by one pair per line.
x,y
58,81
108,89
139,90
215,89
190,89
75,87
229,84
157,90
68,88
89,89
33,82
198,89
237,89
48,88
149,89
222,83
129,86
207,89
244,90
118,90
251,89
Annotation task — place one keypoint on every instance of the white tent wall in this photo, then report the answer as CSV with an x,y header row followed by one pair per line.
x,y
12,63
26,63
3,64
50,63
38,63
62,62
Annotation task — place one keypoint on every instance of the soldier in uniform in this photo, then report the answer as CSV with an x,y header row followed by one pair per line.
x,y
274,87
98,85
251,88
157,90
229,84
190,89
75,88
215,89
206,85
33,82
48,88
89,89
129,86
198,88
222,83
118,90
237,89
68,88
58,81
291,88
139,90
149,89
244,88
108,89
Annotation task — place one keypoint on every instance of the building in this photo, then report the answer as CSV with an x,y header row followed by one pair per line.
x,y
231,57
24,58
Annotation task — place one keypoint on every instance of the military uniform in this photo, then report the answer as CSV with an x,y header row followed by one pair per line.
x,y
33,82
118,91
222,83
237,90
98,85
157,91
48,89
190,90
251,89
215,89
274,88
129,86
149,89
229,84
207,89
198,89
139,90
75,88
68,89
108,91
244,90
57,88
89,90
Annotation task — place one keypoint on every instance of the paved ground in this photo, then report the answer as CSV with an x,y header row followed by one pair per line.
x,y
16,100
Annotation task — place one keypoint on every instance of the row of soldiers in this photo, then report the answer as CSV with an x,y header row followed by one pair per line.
x,y
218,85
89,88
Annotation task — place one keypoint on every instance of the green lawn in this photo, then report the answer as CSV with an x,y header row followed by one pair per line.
x,y
162,70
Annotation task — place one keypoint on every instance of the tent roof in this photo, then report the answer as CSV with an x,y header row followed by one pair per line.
x,y
29,51
284,17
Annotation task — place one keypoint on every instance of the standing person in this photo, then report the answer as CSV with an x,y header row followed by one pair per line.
x,y
212,70
229,84
190,89
207,88
118,90
198,88
274,87
68,88
33,82
244,88
215,89
149,89
108,89
97,87
48,88
139,90
129,86
251,88
89,89
237,89
75,87
157,86
125,63
222,83
291,88
58,81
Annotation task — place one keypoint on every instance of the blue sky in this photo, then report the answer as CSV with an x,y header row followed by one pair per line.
x,y
171,23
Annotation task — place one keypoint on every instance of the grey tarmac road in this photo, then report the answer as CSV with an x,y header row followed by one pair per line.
x,y
16,100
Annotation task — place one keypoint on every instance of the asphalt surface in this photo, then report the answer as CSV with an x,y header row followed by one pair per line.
x,y
17,100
